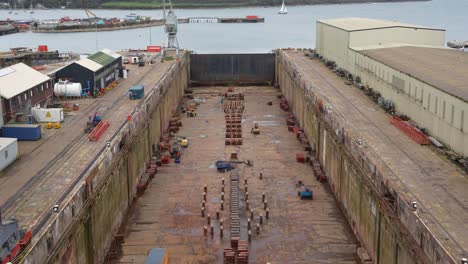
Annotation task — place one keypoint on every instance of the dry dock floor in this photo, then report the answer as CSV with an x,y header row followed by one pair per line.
x,y
168,214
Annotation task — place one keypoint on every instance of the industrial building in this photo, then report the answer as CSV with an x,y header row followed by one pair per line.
x,y
22,87
340,39
94,72
407,65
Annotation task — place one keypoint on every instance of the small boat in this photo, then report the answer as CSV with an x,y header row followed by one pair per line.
x,y
283,10
31,11
15,12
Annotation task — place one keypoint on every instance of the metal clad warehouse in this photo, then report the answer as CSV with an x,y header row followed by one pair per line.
x,y
94,72
408,65
337,38
22,87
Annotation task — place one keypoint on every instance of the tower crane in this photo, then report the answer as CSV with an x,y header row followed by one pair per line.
x,y
90,15
170,26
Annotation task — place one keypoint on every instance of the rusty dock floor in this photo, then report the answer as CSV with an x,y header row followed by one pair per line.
x,y
168,214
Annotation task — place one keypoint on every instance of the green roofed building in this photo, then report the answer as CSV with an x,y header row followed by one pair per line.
x,y
94,72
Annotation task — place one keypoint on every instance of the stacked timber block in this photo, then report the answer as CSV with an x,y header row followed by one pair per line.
x,y
239,250
284,104
152,168
243,252
317,168
234,209
233,107
174,125
229,256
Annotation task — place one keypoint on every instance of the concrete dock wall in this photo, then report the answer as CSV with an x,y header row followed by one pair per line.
x,y
382,219
83,228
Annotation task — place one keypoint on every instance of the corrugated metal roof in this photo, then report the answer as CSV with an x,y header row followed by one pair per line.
x,y
445,69
111,53
96,61
391,45
19,78
358,23
89,64
102,58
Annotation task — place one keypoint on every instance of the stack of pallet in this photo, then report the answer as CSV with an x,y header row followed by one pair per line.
x,y
317,168
243,252
233,107
284,104
234,209
229,256
174,124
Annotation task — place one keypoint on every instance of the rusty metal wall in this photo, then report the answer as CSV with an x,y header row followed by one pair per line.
x,y
232,68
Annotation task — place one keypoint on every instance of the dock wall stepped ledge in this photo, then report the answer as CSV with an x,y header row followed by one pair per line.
x,y
89,217
377,205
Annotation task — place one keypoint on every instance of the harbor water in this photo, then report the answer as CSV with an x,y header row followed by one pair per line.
x,y
296,29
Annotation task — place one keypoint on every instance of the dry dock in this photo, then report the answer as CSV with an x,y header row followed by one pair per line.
x,y
385,199
297,231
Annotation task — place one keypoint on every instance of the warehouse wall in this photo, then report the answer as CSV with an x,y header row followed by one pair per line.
x,y
444,115
84,228
333,43
337,45
388,230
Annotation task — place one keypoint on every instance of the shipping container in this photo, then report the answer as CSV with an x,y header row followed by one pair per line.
x,y
137,92
25,132
45,115
153,48
8,151
43,48
157,256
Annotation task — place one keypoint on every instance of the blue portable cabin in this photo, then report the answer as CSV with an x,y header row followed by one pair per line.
x,y
157,256
137,92
29,132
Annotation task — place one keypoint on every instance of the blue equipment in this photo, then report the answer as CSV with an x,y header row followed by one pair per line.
x,y
137,92
223,166
306,194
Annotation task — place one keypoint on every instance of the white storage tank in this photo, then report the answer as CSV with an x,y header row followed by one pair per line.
x,y
8,151
45,115
66,88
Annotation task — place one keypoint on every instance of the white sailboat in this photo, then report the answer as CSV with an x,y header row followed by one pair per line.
x,y
16,12
31,11
9,8
283,10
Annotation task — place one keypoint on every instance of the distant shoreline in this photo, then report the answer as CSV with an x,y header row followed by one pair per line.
x,y
117,6
228,4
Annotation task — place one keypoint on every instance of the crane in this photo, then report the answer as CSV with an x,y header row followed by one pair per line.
x,y
90,15
170,26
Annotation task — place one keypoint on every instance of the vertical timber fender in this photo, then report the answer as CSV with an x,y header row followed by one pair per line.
x,y
389,229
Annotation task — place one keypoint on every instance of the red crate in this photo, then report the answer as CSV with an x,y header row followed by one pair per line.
x,y
300,157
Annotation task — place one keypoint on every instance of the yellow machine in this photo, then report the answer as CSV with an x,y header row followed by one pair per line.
x,y
255,130
184,143
191,113
57,125
49,125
